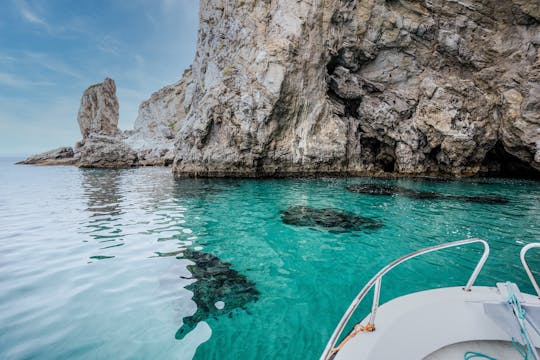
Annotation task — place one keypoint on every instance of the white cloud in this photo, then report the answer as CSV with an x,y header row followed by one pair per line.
x,y
50,63
110,45
30,15
19,82
6,59
35,13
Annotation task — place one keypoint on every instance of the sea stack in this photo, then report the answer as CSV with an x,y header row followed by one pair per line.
x,y
102,145
99,110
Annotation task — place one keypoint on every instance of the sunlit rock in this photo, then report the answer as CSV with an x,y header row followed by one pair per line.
x,y
363,87
99,109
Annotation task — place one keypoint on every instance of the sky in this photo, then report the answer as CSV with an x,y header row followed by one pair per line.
x,y
52,50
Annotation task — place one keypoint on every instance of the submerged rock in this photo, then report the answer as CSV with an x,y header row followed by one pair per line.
x,y
388,190
334,220
216,283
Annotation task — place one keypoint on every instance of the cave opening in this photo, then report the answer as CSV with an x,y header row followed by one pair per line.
x,y
500,163
432,155
381,155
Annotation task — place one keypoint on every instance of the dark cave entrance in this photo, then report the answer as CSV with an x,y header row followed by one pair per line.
x,y
500,163
381,155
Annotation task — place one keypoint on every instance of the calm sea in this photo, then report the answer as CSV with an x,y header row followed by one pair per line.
x,y
131,264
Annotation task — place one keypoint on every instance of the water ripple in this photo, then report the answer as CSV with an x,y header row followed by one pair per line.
x,y
113,263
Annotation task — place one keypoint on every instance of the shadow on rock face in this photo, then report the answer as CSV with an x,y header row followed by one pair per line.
x,y
334,220
388,190
218,290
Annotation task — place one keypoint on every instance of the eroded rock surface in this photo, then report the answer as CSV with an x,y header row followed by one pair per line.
x,y
363,87
158,121
345,87
334,220
151,142
98,113
61,156
103,151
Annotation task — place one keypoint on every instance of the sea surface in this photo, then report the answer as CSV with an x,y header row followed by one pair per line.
x,y
131,264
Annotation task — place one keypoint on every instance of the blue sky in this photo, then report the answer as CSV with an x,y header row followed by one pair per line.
x,y
52,50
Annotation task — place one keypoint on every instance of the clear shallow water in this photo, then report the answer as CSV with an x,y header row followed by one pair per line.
x,y
91,261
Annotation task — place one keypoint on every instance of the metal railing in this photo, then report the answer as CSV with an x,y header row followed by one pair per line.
x,y
522,254
376,280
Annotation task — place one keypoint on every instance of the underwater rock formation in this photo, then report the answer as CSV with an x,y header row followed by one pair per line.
x,y
363,87
388,190
334,220
218,284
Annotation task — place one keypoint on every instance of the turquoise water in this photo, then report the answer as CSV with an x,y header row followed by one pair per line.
x,y
92,262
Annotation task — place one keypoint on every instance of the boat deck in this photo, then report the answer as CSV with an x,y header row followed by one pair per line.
x,y
437,324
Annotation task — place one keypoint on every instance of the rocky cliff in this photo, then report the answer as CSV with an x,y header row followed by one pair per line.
x,y
104,146
305,87
342,87
99,110
158,122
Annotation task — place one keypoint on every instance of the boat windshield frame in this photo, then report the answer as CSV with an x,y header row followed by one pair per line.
x,y
377,282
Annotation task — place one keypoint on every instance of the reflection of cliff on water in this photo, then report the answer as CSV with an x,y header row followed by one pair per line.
x,y
103,196
102,191
203,189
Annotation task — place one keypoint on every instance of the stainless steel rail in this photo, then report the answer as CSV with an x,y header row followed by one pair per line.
x,y
376,280
522,254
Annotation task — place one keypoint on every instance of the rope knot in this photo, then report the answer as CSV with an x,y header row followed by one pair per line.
x,y
358,328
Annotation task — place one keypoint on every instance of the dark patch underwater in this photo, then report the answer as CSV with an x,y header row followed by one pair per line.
x,y
216,281
334,220
389,190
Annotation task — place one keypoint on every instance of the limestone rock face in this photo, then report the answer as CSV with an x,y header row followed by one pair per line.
x,y
435,87
103,151
98,113
158,122
103,145
151,142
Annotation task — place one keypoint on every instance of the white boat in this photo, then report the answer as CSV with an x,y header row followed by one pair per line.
x,y
470,322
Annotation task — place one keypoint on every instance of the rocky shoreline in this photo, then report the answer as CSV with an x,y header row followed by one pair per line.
x,y
103,145
339,88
